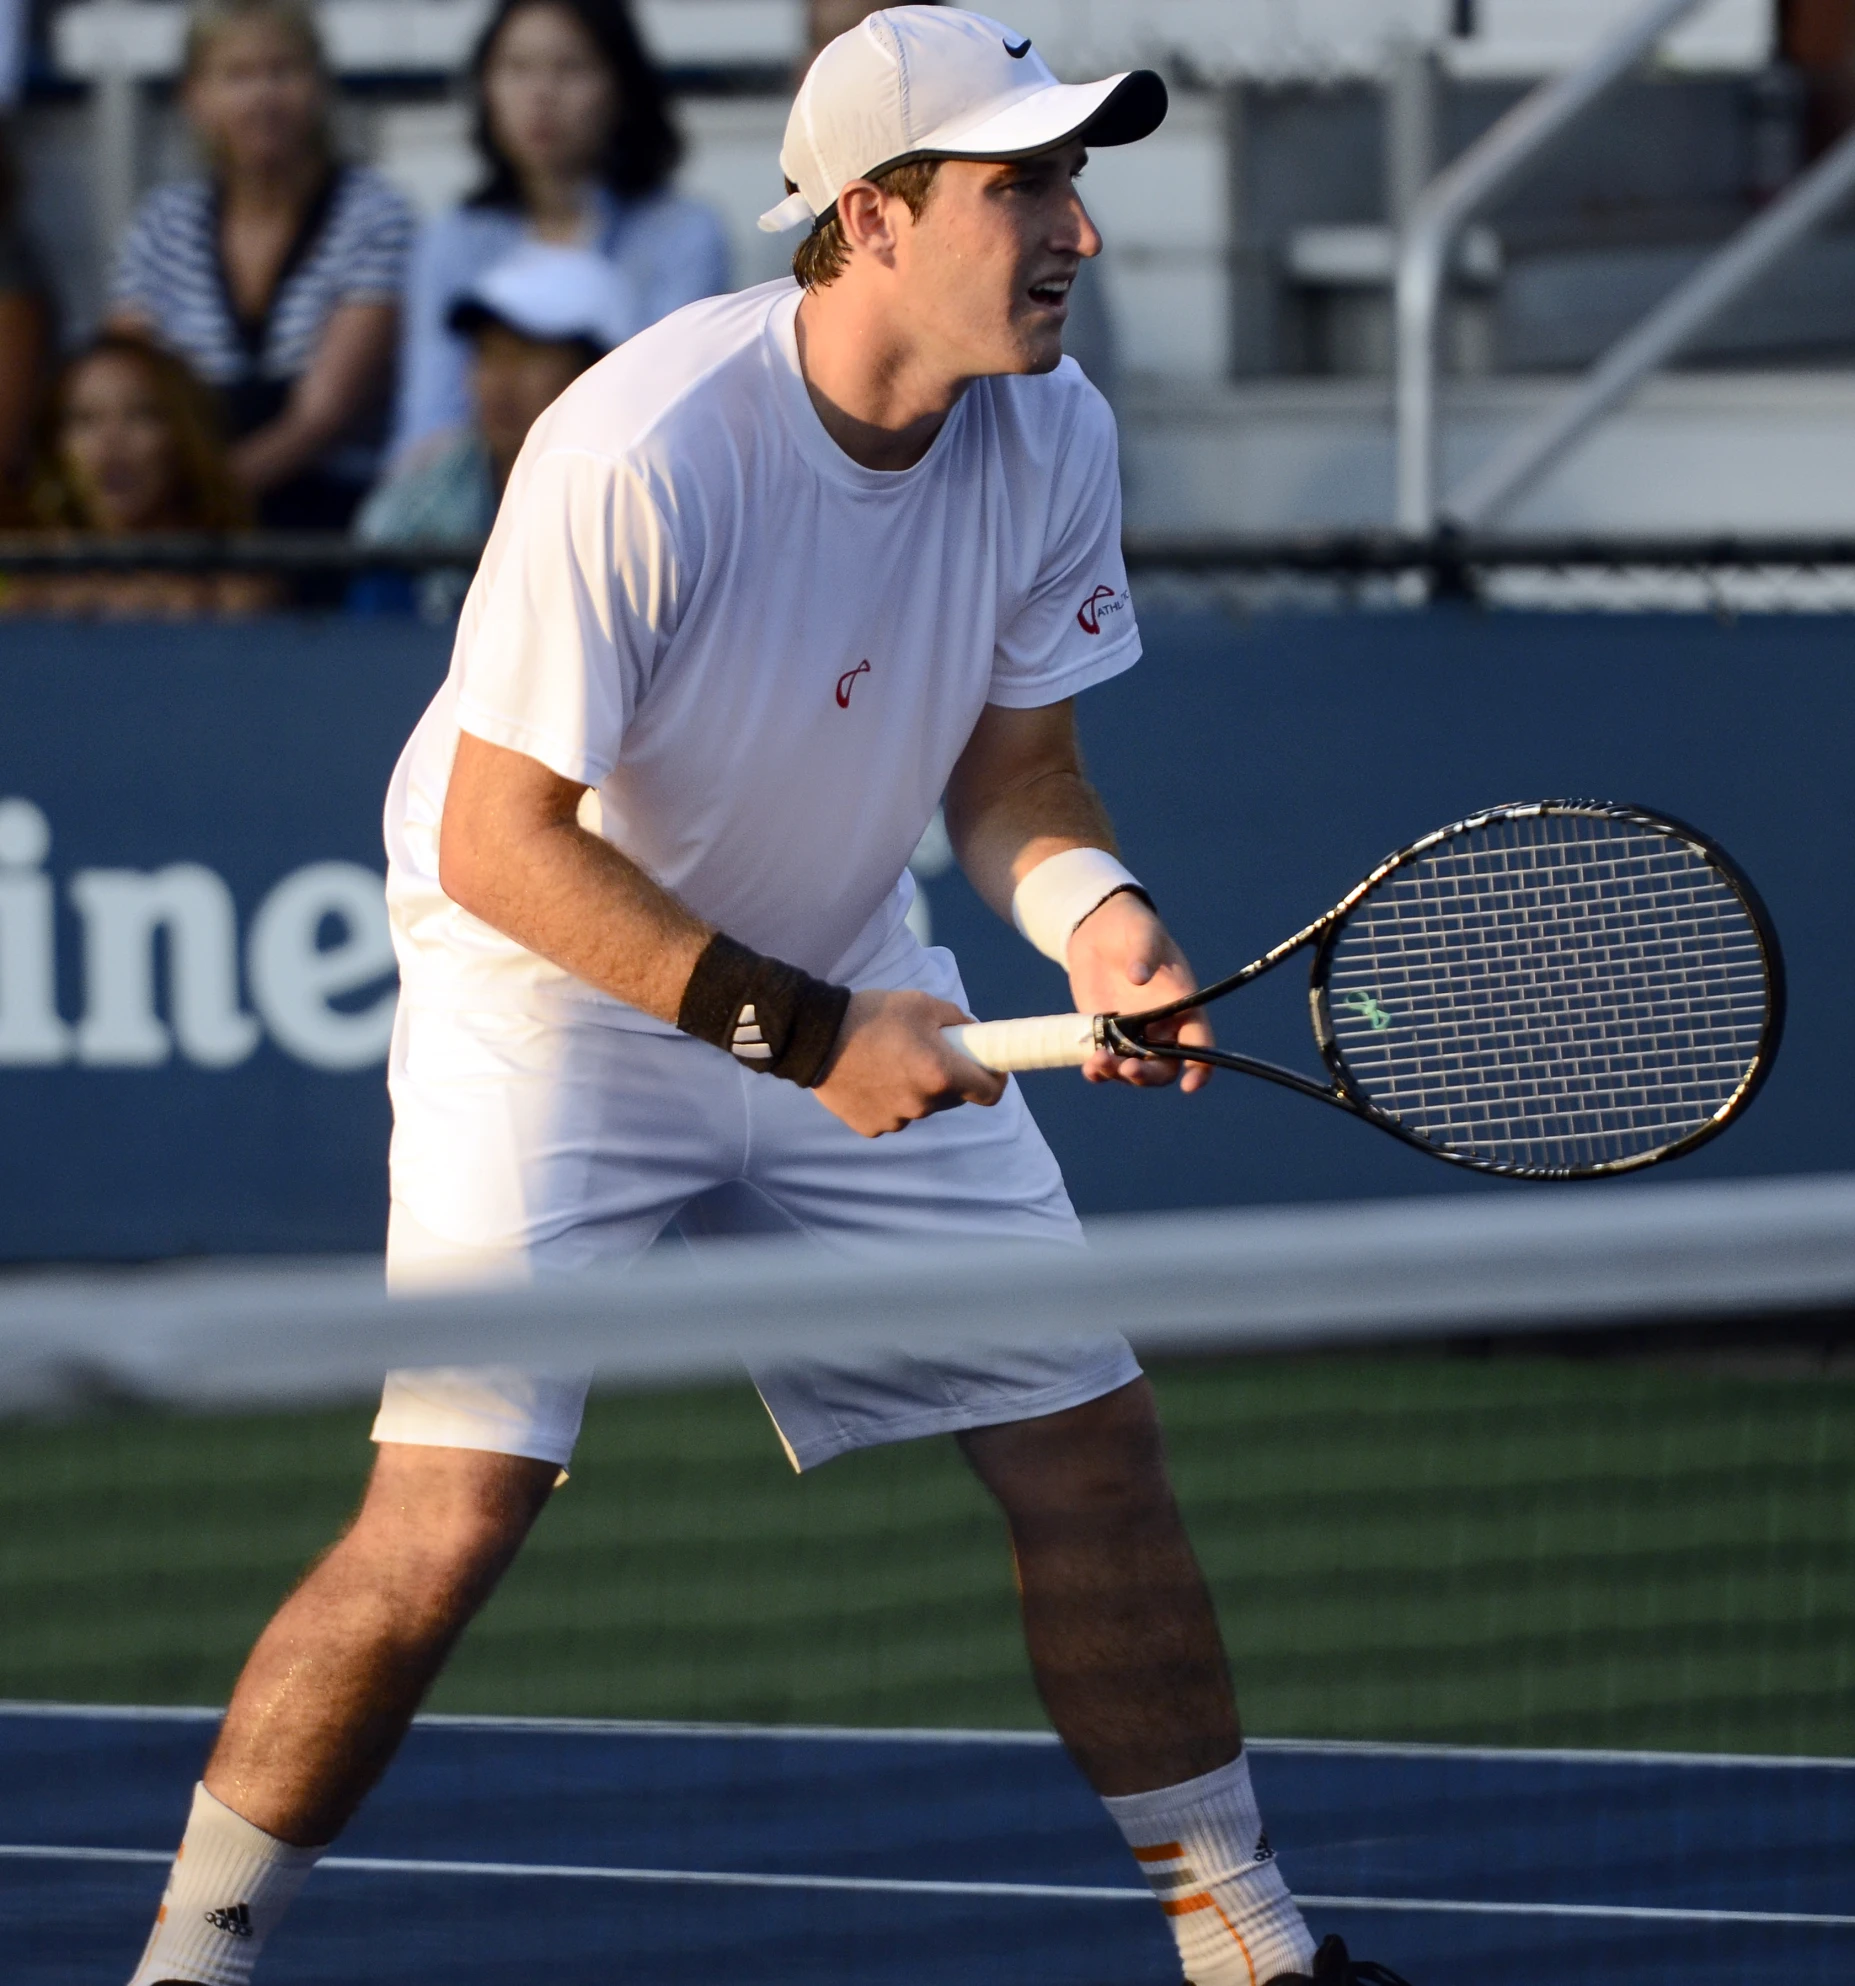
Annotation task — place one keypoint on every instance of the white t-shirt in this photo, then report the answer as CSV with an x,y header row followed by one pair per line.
x,y
764,658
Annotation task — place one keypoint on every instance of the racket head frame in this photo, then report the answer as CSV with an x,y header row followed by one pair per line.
x,y
1124,1034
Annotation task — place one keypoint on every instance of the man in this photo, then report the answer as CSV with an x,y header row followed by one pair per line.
x,y
764,584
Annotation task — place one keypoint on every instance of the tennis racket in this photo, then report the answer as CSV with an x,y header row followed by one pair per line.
x,y
1562,989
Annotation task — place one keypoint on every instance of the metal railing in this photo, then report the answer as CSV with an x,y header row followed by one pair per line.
x,y
1680,317
1443,554
35,553
1489,166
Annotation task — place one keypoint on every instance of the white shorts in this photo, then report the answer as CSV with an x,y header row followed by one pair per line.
x,y
525,1147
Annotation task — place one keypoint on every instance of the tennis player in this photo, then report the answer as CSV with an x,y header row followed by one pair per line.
x,y
767,583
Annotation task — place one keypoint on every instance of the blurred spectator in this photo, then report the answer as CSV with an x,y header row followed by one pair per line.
x,y
25,334
277,277
533,324
578,148
1818,38
131,444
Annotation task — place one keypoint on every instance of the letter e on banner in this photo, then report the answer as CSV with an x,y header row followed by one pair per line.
x,y
295,976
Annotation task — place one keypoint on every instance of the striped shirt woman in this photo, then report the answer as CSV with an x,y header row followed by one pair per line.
x,y
278,277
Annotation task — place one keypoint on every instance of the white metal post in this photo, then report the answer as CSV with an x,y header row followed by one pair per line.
x,y
1493,162
1681,316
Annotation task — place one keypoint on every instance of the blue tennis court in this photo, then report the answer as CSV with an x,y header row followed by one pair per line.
x,y
504,1849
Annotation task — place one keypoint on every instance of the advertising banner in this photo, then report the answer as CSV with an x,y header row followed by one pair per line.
x,y
196,983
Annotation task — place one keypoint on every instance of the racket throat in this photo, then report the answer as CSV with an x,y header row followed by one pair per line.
x,y
1127,1038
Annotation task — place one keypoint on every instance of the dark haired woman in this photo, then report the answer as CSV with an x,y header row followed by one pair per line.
x,y
277,275
576,136
131,443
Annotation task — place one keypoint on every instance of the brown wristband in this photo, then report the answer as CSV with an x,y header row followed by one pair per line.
x,y
768,1015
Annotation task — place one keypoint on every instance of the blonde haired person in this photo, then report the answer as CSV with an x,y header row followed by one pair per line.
x,y
277,274
131,444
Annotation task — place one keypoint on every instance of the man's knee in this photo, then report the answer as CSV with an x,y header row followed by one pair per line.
x,y
441,1524
1106,1454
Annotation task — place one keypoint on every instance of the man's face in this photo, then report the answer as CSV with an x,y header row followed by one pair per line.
x,y
515,380
984,273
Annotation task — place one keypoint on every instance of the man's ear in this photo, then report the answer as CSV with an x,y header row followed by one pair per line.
x,y
869,218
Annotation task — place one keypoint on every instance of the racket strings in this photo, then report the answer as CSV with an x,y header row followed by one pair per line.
x,y
1567,990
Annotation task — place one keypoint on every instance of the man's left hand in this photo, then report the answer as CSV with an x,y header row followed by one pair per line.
x,y
1121,960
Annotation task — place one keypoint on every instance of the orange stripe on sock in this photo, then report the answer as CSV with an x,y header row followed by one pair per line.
x,y
1184,1906
1164,1851
1249,1962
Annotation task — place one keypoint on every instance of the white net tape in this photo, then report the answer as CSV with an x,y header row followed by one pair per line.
x,y
1255,1279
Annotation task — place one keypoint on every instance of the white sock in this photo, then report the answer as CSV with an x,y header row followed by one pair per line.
x,y
1202,1847
227,1891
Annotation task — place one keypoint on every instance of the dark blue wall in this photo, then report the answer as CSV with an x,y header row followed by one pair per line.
x,y
1257,769
254,750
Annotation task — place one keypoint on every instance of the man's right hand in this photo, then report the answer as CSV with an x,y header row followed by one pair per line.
x,y
893,1065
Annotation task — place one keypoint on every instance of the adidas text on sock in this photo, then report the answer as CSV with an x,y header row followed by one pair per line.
x,y
227,1891
1202,1848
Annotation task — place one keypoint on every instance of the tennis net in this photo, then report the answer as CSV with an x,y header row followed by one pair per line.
x,y
1528,1519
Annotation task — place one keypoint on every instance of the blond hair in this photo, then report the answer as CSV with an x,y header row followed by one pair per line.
x,y
210,19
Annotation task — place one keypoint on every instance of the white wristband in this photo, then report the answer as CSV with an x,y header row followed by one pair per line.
x,y
1055,897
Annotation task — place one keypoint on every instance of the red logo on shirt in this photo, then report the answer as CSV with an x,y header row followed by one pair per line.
x,y
1104,599
847,681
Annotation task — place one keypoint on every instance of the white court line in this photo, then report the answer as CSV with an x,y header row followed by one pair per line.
x,y
1649,1912
1543,1755
648,1727
902,1886
382,1865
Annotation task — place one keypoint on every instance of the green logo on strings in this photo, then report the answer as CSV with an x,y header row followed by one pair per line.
x,y
1367,1009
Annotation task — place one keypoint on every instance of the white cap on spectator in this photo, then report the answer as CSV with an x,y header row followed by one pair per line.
x,y
936,82
554,295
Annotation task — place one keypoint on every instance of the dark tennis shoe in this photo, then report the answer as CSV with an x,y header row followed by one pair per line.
x,y
1333,1967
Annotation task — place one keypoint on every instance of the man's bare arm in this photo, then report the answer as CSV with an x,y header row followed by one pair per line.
x,y
1018,796
511,851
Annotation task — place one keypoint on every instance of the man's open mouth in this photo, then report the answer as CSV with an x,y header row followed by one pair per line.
x,y
1052,292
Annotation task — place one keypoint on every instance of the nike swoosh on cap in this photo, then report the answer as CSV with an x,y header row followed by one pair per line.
x,y
1021,51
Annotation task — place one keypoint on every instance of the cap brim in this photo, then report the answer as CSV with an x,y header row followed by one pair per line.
x,y
468,316
471,315
1119,110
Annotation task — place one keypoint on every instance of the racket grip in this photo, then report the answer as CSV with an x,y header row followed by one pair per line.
x,y
1048,1041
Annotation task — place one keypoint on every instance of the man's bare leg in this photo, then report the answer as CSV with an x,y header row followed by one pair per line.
x,y
328,1692
1122,1637
332,1684
1127,1655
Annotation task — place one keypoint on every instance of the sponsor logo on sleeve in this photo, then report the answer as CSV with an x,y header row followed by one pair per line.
x,y
848,681
1101,605
1021,51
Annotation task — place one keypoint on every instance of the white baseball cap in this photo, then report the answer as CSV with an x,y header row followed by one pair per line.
x,y
939,83
555,295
